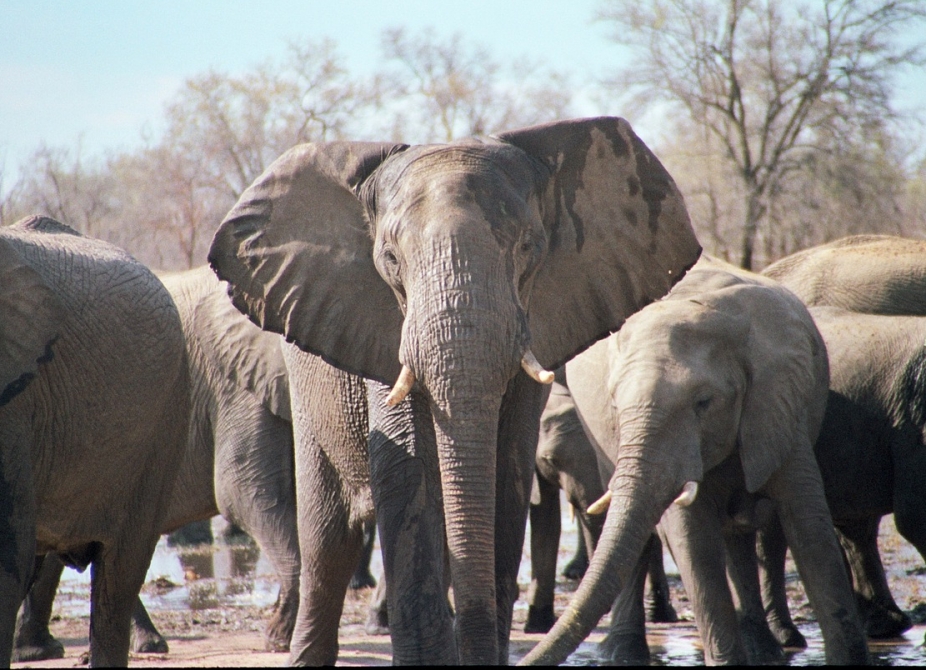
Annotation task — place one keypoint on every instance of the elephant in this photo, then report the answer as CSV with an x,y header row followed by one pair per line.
x,y
714,393
875,274
94,405
238,457
463,272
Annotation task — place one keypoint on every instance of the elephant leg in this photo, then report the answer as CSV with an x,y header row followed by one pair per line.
x,y
146,638
545,534
625,643
378,611
658,599
34,642
694,535
771,551
254,489
578,564
743,575
808,527
880,614
332,496
117,574
405,478
362,577
518,433
17,531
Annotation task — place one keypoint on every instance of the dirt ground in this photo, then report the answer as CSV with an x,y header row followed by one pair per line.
x,y
231,636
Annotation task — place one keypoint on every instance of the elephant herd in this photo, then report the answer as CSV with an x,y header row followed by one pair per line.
x,y
386,331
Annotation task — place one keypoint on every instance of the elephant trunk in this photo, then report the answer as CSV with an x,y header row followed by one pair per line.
x,y
463,353
637,503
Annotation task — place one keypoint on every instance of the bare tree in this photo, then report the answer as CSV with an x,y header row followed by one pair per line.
x,y
62,183
440,90
776,84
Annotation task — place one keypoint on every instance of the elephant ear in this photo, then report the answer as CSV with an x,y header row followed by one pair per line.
x,y
787,382
297,253
31,316
241,352
618,232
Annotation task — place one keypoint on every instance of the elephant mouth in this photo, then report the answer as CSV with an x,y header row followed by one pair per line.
x,y
406,379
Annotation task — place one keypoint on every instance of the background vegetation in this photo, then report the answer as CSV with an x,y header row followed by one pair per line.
x,y
777,123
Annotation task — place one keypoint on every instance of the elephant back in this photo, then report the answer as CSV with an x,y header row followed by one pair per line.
x,y
875,274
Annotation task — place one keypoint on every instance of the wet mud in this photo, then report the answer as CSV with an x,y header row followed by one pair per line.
x,y
212,602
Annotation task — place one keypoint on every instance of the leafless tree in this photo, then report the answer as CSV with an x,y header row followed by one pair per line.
x,y
62,183
776,84
442,89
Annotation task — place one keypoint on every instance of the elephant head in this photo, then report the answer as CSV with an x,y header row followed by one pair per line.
x,y
727,364
452,266
31,314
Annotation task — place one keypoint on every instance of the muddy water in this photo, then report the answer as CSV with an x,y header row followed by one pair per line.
x,y
234,574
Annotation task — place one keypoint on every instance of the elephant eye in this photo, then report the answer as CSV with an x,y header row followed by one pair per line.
x,y
389,257
702,405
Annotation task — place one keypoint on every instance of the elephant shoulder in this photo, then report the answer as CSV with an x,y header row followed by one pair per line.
x,y
237,349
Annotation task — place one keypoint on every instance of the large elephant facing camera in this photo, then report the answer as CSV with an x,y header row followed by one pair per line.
x,y
94,405
713,393
462,270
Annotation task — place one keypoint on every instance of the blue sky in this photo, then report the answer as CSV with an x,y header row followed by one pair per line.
x,y
101,70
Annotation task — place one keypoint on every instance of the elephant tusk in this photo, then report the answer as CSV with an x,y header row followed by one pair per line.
x,y
688,494
600,505
535,369
402,386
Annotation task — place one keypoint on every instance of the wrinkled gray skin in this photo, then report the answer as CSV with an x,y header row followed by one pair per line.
x,y
876,274
722,383
453,260
238,458
93,409
567,461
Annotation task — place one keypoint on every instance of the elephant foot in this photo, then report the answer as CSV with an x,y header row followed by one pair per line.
x,y
660,610
625,649
762,648
575,569
278,633
539,619
41,647
148,642
362,579
883,622
787,635
377,620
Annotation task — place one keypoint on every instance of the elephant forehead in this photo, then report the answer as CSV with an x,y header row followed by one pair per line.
x,y
439,188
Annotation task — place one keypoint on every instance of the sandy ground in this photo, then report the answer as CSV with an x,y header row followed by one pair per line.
x,y
231,636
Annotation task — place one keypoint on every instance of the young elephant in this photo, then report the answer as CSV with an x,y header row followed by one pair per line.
x,y
238,458
715,392
94,405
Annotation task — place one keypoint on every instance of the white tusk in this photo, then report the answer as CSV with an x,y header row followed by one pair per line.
x,y
535,369
600,505
688,494
402,386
